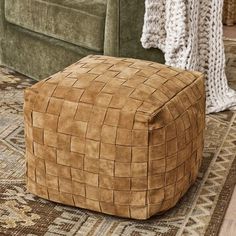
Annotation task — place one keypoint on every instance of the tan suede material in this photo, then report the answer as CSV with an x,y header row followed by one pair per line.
x,y
115,135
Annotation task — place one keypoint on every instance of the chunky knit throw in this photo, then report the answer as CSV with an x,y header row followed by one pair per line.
x,y
190,34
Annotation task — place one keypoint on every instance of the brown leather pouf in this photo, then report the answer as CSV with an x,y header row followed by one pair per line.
x,y
115,135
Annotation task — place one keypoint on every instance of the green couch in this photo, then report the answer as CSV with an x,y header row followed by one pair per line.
x,y
41,37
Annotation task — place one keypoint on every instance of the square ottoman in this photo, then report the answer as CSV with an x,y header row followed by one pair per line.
x,y
114,135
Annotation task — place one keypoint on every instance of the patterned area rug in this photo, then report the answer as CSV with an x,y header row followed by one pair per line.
x,y
200,212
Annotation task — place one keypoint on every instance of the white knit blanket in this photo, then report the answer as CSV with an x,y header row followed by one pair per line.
x,y
190,34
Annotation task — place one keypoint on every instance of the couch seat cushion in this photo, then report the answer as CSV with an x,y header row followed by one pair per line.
x,y
80,22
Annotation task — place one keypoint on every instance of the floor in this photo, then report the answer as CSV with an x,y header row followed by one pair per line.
x,y
229,224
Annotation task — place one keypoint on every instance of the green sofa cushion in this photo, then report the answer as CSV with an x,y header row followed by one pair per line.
x,y
80,22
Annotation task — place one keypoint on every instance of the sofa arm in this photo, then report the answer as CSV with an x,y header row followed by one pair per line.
x,y
2,27
123,30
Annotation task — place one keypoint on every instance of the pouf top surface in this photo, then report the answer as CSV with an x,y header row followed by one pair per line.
x,y
131,85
